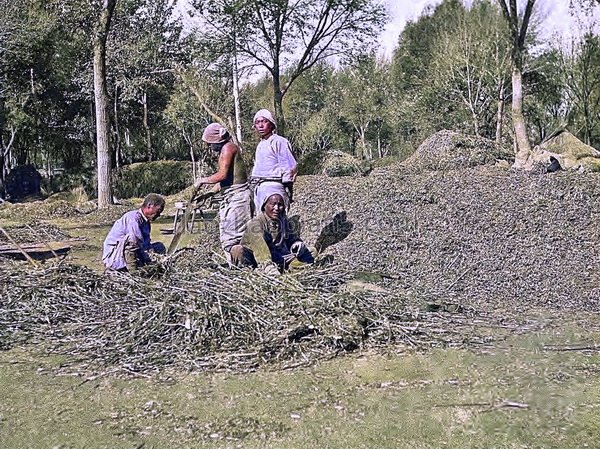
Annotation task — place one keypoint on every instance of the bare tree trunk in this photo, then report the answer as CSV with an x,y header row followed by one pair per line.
x,y
147,127
236,101
363,144
524,148
499,114
3,173
91,133
188,140
5,159
518,34
117,139
101,100
278,102
475,123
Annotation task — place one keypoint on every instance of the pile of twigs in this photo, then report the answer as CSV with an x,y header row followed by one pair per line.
x,y
215,318
33,233
426,258
451,150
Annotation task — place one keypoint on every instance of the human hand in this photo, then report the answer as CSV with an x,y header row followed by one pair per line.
x,y
198,183
287,258
270,269
298,247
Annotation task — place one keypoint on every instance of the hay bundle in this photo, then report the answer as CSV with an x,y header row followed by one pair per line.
x,y
452,150
76,195
570,152
38,210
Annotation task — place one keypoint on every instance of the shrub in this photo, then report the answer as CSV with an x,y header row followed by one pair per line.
x,y
164,177
338,163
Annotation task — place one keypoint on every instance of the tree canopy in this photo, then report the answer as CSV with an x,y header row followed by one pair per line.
x,y
314,62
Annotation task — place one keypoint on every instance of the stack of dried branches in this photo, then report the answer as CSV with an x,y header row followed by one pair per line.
x,y
214,318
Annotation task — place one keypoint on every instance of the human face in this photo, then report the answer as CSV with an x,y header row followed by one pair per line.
x,y
274,207
263,127
152,212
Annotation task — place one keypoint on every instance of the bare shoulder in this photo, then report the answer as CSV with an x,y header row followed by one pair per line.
x,y
230,147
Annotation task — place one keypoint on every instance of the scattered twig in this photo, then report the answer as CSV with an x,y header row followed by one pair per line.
x,y
27,256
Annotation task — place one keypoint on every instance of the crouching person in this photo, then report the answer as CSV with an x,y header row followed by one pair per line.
x,y
269,241
127,245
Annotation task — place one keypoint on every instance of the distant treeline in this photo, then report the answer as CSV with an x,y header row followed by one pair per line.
x,y
165,82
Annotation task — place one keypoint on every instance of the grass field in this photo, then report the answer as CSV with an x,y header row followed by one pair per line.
x,y
537,390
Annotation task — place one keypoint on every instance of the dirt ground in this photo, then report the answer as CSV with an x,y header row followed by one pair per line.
x,y
488,282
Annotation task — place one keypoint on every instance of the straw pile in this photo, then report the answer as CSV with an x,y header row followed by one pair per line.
x,y
479,236
425,258
33,233
446,150
337,163
212,318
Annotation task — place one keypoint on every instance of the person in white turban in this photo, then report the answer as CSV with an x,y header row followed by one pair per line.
x,y
273,161
269,242
231,180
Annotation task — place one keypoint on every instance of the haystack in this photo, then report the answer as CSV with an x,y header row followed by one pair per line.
x,y
571,153
446,150
337,163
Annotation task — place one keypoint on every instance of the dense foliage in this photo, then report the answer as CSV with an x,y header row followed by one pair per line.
x,y
167,80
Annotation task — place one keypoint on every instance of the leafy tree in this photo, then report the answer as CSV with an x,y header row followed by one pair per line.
x,y
545,107
582,69
11,22
291,37
365,94
39,104
470,67
144,52
420,109
219,33
310,130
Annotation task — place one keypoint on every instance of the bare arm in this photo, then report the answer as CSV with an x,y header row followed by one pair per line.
x,y
226,160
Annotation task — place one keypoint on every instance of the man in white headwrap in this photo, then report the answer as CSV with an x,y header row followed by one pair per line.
x,y
274,161
236,206
269,242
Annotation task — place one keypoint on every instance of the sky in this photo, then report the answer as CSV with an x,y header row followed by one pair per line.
x,y
556,13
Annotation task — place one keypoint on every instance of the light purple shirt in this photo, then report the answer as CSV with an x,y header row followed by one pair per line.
x,y
133,228
274,159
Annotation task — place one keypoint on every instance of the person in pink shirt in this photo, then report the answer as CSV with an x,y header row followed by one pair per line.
x,y
273,161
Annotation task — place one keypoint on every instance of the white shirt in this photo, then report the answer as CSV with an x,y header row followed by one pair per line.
x,y
274,159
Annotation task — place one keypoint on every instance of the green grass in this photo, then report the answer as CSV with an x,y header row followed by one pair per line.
x,y
450,398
